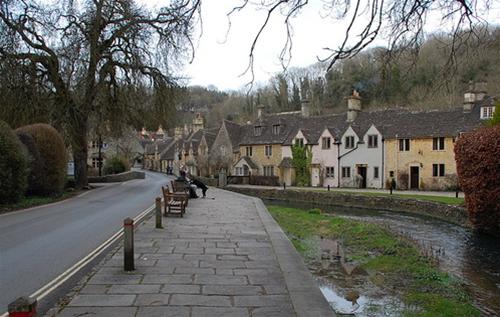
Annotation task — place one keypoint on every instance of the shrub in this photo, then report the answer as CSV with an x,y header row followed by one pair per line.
x,y
115,165
315,211
52,165
13,166
477,155
35,163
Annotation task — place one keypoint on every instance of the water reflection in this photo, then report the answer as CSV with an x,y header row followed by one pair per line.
x,y
470,256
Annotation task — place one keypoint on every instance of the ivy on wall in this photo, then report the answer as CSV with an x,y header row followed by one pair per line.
x,y
301,161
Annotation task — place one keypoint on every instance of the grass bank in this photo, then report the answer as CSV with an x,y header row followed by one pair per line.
x,y
34,201
438,199
391,261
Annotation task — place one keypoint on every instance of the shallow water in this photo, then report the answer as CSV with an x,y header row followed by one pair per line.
x,y
472,257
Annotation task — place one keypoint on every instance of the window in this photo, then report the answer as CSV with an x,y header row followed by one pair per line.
x,y
95,162
404,145
349,142
486,112
269,150
346,172
330,171
223,150
373,141
375,172
239,171
299,142
249,151
438,170
391,173
438,144
276,129
257,130
268,170
326,143
93,144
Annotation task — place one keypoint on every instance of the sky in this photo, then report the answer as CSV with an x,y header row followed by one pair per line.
x,y
222,52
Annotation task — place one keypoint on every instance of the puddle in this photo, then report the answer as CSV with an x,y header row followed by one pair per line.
x,y
345,285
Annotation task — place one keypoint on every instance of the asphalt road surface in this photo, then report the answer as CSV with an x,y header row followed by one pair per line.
x,y
39,244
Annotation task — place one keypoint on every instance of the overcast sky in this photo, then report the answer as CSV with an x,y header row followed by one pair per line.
x,y
220,60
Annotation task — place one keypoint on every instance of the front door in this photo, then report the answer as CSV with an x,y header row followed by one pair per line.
x,y
414,171
362,173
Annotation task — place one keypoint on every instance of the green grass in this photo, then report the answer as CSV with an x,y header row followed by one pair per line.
x,y
427,291
438,199
33,201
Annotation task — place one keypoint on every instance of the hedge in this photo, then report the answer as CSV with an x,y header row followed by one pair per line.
x,y
13,166
50,172
478,166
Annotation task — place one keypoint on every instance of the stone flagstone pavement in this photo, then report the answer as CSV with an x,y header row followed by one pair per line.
x,y
226,257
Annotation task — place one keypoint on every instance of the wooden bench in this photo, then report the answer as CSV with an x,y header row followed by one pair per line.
x,y
180,188
174,202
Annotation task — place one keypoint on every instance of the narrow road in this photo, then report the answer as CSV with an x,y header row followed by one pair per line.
x,y
39,244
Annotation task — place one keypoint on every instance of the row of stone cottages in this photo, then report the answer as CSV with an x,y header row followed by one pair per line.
x,y
352,149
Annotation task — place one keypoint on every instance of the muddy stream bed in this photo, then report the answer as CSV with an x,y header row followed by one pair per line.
x,y
473,258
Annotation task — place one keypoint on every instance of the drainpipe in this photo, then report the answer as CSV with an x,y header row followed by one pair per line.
x,y
341,156
338,163
383,171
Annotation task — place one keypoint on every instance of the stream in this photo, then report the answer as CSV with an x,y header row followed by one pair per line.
x,y
473,258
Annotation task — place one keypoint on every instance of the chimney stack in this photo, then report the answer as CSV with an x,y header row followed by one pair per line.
x,y
304,107
353,106
476,92
260,110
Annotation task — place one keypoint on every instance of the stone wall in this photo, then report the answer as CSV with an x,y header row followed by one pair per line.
x,y
115,178
208,181
449,213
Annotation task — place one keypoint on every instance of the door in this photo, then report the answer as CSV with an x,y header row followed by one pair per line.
x,y
362,179
315,176
414,176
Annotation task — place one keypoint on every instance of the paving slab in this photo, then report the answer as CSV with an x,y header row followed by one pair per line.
x,y
226,257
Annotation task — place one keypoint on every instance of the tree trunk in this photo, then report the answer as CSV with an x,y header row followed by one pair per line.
x,y
80,153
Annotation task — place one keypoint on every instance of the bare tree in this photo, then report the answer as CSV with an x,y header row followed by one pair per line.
x,y
401,22
85,52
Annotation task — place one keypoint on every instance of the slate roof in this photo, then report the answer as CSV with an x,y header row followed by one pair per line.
x,y
234,131
287,121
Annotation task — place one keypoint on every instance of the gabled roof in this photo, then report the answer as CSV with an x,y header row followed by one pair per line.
x,y
249,162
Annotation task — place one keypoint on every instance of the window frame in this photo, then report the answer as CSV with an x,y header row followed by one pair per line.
x,y
372,141
376,172
257,130
268,150
330,171
404,145
438,170
346,172
300,142
438,143
326,143
249,151
276,129
349,142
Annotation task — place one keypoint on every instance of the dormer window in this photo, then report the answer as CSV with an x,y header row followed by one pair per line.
x,y
487,112
257,130
276,129
299,142
349,142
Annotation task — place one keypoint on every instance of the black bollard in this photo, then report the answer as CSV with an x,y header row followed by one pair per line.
x,y
128,245
328,187
158,213
284,186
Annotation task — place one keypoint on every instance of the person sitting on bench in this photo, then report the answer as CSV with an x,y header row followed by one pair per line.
x,y
192,189
200,184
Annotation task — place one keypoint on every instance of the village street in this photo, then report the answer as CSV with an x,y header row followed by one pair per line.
x,y
37,245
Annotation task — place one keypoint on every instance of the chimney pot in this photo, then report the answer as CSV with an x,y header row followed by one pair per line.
x,y
304,108
353,106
